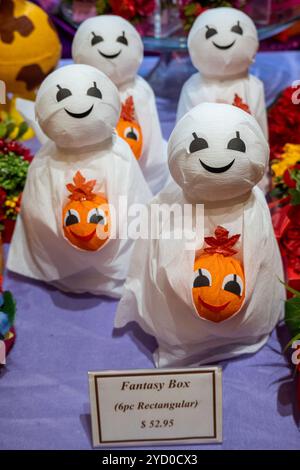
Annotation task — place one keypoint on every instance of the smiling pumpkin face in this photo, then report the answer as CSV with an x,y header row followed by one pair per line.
x,y
219,284
129,129
86,217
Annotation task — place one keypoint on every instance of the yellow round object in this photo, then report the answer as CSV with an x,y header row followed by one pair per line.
x,y
29,47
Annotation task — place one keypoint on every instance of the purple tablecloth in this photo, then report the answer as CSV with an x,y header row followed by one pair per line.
x,y
44,387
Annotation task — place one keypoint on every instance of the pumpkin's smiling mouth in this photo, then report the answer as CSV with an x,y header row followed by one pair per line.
x,y
110,56
213,308
223,48
80,115
85,238
218,169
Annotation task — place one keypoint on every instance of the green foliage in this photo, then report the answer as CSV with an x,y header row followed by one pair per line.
x,y
9,306
292,315
295,196
13,171
101,6
23,128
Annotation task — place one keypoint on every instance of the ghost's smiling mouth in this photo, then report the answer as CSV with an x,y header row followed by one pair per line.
x,y
110,56
218,169
80,115
224,47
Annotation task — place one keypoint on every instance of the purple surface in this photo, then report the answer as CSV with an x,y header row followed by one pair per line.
x,y
44,387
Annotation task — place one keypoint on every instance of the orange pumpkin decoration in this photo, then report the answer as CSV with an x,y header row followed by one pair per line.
x,y
129,129
86,217
219,284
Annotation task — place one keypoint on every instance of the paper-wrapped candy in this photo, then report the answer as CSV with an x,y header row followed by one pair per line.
x,y
210,290
64,233
112,45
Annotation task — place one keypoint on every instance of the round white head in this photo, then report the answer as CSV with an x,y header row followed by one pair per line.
x,y
223,43
112,45
217,152
77,106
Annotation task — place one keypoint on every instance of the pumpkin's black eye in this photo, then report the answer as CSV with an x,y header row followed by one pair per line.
x,y
72,217
203,279
237,29
197,144
122,39
96,39
233,283
94,91
131,133
96,216
237,144
210,32
62,93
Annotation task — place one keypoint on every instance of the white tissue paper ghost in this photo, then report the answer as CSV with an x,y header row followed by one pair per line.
x,y
222,45
214,292
64,233
112,45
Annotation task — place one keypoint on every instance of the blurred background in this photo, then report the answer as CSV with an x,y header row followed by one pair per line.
x,y
164,24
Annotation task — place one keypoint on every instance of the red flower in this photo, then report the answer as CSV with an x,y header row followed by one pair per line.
x,y
145,7
2,196
124,8
284,122
14,146
287,178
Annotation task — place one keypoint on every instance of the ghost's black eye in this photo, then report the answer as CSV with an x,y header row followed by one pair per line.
x,y
237,144
131,134
62,93
197,144
203,279
122,39
233,283
72,217
96,216
237,29
210,32
94,91
96,39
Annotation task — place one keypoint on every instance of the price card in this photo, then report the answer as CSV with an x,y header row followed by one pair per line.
x,y
153,407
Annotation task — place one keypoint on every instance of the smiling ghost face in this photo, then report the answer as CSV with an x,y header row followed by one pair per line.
x,y
77,106
111,44
217,152
223,42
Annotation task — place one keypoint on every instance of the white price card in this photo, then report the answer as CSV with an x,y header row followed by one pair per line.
x,y
154,407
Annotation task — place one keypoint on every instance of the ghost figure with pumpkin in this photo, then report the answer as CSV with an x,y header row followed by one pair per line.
x,y
111,44
209,287
222,45
65,234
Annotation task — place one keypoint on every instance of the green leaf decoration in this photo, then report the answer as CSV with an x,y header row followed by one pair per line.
x,y
10,127
292,315
23,128
9,306
3,130
290,289
295,338
295,196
